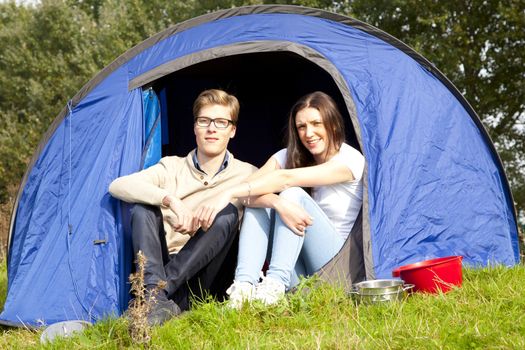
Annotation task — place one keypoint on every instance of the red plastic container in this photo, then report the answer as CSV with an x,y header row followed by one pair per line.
x,y
433,275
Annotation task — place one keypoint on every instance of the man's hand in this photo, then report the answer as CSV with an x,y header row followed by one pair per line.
x,y
208,210
294,216
186,221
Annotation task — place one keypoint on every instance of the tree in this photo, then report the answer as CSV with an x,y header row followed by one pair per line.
x,y
45,55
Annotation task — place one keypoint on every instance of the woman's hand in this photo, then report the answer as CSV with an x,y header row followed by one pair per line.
x,y
294,216
206,213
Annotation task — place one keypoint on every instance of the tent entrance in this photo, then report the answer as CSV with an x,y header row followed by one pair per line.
x,y
267,84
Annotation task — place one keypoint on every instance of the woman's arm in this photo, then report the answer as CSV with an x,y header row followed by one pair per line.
x,y
207,211
267,182
328,173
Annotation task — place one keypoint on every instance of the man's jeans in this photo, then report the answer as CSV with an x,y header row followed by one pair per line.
x,y
196,268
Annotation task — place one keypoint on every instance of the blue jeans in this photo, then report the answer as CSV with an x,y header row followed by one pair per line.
x,y
264,236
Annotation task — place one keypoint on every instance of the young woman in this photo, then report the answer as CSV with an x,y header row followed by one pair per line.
x,y
297,231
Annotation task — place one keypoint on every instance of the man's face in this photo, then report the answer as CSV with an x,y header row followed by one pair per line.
x,y
213,141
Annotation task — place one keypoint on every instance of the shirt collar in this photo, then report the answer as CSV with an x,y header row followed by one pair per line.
x,y
223,165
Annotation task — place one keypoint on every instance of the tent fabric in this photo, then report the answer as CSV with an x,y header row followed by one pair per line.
x,y
55,275
389,113
152,129
434,185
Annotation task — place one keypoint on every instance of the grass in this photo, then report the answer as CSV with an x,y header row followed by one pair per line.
x,y
487,312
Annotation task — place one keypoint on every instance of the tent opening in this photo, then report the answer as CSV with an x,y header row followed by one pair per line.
x,y
267,85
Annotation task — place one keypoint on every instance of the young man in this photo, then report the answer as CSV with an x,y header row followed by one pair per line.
x,y
180,250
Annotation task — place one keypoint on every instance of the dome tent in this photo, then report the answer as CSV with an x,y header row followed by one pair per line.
x,y
434,185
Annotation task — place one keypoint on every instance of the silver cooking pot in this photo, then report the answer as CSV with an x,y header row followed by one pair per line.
x,y
377,291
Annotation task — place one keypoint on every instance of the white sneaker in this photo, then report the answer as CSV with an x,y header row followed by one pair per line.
x,y
239,293
269,291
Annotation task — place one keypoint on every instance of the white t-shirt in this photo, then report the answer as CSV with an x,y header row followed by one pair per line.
x,y
341,202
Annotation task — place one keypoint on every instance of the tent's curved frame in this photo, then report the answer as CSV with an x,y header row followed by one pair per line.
x,y
263,9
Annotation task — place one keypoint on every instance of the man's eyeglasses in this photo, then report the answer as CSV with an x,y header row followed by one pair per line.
x,y
220,123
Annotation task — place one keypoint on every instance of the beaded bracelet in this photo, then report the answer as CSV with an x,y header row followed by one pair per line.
x,y
249,193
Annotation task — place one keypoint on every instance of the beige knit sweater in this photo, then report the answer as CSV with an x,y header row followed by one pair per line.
x,y
179,177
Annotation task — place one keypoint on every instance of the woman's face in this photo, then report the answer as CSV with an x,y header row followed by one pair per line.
x,y
312,133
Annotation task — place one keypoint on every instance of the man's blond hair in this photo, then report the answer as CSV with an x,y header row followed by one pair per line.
x,y
217,97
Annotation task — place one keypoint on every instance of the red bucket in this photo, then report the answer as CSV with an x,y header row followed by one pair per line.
x,y
432,275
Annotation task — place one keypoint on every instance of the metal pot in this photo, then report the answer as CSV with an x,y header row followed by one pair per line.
x,y
376,291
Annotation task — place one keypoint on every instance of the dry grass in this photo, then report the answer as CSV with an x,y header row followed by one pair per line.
x,y
5,218
139,330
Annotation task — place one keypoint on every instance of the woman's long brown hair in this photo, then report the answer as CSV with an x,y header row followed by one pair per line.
x,y
297,155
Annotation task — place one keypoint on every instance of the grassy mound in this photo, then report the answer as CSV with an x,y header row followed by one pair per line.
x,y
486,312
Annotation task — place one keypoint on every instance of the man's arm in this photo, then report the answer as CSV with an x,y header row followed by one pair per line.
x,y
144,187
147,187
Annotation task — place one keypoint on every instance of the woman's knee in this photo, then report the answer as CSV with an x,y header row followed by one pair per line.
x,y
257,212
294,194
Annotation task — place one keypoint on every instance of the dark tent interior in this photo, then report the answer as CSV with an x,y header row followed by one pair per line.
x,y
266,84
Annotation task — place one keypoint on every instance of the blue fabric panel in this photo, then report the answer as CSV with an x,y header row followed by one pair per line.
x,y
435,189
434,185
152,128
54,275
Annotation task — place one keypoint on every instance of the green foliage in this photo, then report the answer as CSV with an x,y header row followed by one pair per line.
x,y
45,55
486,312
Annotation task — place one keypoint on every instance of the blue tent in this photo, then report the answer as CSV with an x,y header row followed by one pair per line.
x,y
434,185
